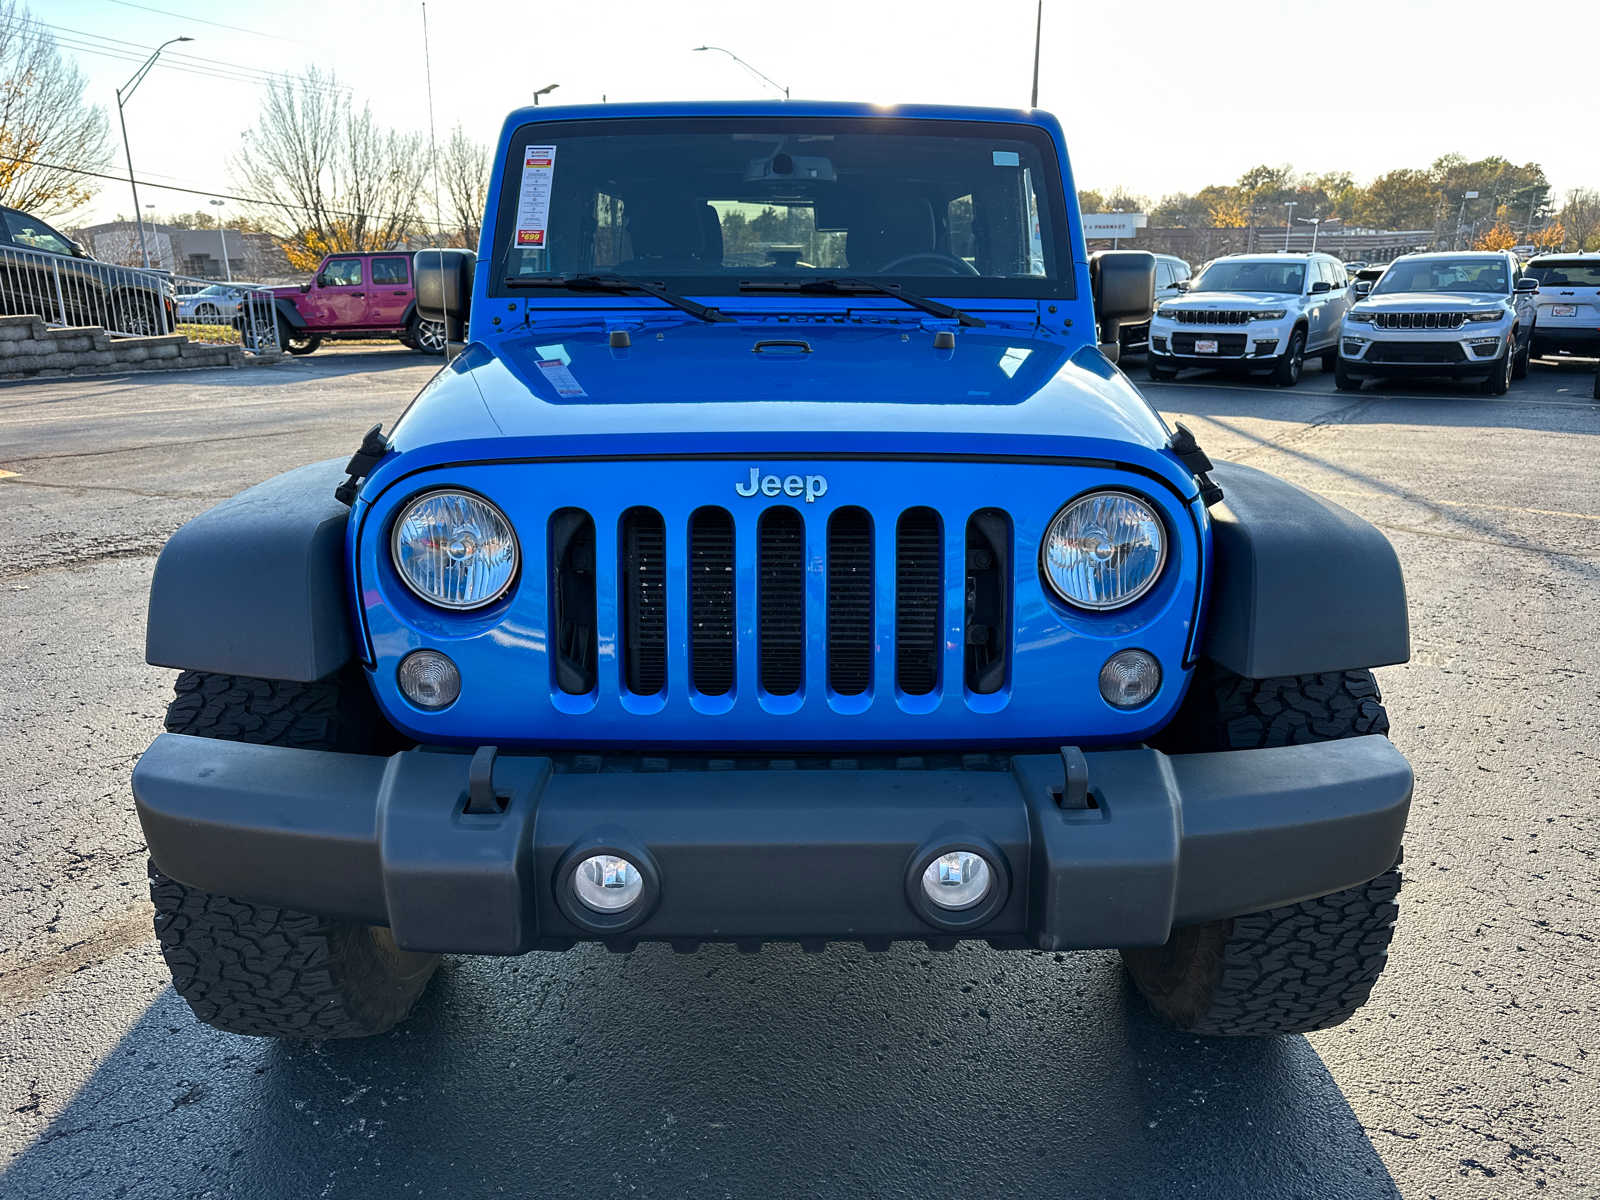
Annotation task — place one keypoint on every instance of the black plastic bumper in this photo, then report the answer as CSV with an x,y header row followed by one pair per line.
x,y
751,856
1555,340
1472,368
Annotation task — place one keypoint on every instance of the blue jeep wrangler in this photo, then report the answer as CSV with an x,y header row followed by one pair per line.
x,y
780,557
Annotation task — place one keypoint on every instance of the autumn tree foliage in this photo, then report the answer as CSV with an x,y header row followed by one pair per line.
x,y
47,133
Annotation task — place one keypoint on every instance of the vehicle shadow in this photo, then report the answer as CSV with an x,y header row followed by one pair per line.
x,y
841,1074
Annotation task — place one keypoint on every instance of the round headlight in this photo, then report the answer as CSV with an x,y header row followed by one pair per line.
x,y
455,549
1104,550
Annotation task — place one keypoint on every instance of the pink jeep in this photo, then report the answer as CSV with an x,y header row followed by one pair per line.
x,y
352,297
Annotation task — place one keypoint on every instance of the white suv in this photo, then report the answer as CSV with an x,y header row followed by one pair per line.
x,y
1255,311
1463,315
1569,304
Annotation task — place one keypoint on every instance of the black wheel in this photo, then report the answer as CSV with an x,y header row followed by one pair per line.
x,y
1343,380
255,968
428,337
136,316
1286,372
1158,372
1519,361
1293,969
206,310
1499,381
1597,385
294,340
1330,361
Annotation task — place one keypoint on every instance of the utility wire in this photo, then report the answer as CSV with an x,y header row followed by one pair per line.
x,y
213,24
332,212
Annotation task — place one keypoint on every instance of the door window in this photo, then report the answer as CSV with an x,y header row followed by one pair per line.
x,y
342,272
389,272
35,234
1328,273
1163,275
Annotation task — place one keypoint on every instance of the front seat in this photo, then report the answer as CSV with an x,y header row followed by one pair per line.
x,y
669,233
888,229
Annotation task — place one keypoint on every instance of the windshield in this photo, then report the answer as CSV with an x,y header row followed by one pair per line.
x,y
701,205
1444,275
1569,274
1285,277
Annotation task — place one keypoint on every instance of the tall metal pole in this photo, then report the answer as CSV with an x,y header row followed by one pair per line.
x,y
1038,29
1291,205
227,267
124,94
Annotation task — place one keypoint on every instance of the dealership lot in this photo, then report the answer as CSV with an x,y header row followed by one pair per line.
x,y
1470,1073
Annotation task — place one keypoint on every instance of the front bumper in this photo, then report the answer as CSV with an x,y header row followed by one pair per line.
x,y
750,855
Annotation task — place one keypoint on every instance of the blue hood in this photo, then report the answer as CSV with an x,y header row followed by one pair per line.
x,y
686,388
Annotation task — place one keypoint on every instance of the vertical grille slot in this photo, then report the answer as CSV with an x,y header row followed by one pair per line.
x,y
988,563
916,601
850,601
572,600
644,601
781,600
711,614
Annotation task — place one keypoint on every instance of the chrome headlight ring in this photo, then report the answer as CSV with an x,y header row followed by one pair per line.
x,y
454,549
1104,550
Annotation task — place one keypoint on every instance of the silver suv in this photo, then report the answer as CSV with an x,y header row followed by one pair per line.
x,y
1261,312
1569,304
1462,315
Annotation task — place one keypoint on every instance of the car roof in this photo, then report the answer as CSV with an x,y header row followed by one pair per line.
x,y
1456,254
1572,256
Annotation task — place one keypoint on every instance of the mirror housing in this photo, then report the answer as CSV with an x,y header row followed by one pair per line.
x,y
1321,286
1123,283
1183,285
1361,287
444,288
1527,284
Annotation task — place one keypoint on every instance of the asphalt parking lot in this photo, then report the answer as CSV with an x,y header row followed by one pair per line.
x,y
1472,1073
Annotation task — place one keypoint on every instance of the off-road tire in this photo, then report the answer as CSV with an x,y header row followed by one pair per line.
x,y
295,340
267,971
1295,969
1519,362
1159,373
1343,380
270,972
336,713
1286,370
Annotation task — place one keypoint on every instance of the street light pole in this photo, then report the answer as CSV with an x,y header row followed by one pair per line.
x,y
749,68
1316,226
227,268
1038,30
1291,205
544,91
1461,217
124,94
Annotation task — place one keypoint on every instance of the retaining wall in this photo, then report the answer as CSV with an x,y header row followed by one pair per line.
x,y
29,349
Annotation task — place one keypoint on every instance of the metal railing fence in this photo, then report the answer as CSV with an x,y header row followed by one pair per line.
x,y
64,291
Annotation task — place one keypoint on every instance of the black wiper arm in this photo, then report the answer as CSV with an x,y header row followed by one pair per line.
x,y
610,282
863,286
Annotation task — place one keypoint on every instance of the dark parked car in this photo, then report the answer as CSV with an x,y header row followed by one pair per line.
x,y
44,272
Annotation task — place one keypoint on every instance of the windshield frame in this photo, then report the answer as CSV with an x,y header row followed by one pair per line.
x,y
1056,230
1389,273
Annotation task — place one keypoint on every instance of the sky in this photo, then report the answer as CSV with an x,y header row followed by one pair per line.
x,y
1158,96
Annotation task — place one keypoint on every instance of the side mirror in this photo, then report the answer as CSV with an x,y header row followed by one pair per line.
x,y
1123,283
77,250
1183,285
444,288
1527,284
1361,287
1321,286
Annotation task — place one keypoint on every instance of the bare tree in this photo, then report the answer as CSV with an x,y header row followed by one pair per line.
x,y
346,183
1580,217
464,175
43,119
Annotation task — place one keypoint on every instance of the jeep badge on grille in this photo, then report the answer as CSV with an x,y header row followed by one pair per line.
x,y
810,487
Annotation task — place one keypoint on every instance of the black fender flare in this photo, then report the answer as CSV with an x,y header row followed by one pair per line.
x,y
1299,584
256,586
286,309
411,311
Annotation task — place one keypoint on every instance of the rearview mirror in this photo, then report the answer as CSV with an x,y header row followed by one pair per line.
x,y
1123,283
444,288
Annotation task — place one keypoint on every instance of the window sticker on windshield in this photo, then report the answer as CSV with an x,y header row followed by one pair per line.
x,y
1007,158
533,205
561,378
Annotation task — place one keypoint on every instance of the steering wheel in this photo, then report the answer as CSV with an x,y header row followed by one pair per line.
x,y
958,266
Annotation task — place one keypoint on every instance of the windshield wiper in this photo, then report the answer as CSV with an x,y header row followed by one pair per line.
x,y
849,287
610,282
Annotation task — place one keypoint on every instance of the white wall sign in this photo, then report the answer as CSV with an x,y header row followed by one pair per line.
x,y
1113,225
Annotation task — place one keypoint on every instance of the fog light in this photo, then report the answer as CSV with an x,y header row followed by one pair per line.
x,y
957,880
1129,678
429,679
606,883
